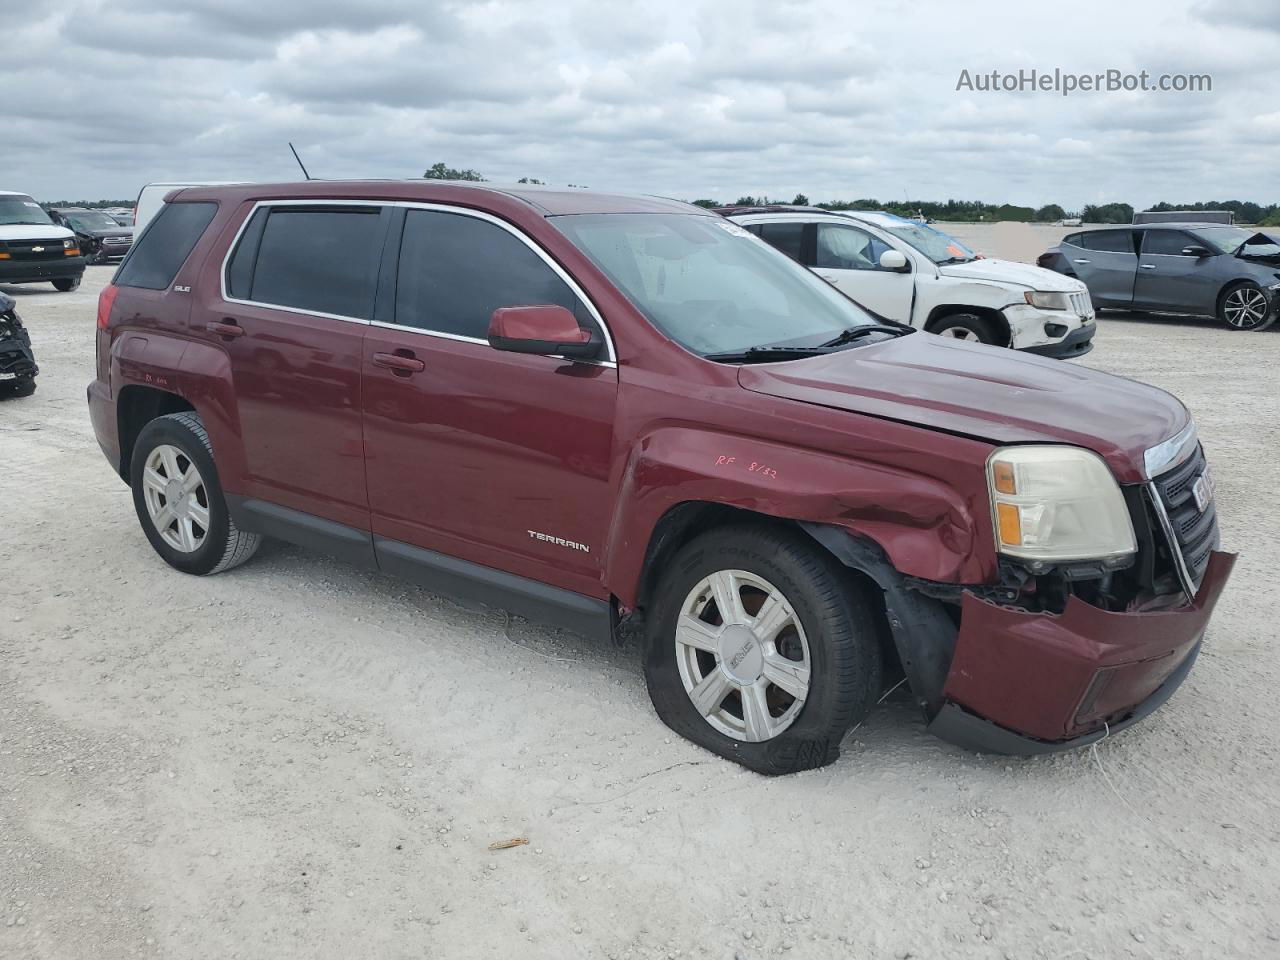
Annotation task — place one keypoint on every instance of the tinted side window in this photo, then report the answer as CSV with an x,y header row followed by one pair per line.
x,y
320,260
1109,241
165,245
1073,239
848,248
240,269
1166,242
455,270
787,237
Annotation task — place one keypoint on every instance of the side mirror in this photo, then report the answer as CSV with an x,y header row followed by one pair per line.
x,y
1195,250
548,330
893,260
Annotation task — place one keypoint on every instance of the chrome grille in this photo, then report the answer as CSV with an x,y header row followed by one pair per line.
x,y
1081,304
1194,532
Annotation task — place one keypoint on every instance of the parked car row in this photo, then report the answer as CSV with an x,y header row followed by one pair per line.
x,y
1199,269
602,410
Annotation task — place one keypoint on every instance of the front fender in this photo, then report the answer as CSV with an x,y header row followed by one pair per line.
x,y
925,527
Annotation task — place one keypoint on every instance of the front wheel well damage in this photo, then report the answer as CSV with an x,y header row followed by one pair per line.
x,y
997,319
136,406
916,632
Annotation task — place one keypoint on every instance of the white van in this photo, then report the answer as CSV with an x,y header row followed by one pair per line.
x,y
151,199
34,249
916,274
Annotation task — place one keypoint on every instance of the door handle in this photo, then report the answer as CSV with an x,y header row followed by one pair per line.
x,y
226,327
402,362
1148,266
1082,261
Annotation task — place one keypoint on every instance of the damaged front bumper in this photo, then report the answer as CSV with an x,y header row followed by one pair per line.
x,y
1028,683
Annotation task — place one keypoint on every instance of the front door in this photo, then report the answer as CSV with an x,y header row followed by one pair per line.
x,y
849,258
299,296
501,459
1168,279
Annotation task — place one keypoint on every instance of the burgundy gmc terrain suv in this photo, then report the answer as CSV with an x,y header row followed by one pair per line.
x,y
593,409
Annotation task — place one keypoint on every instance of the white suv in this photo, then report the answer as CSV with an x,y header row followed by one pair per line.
x,y
915,274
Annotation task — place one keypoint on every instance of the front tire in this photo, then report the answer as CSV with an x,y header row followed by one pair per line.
x,y
66,284
761,648
1243,306
179,500
967,326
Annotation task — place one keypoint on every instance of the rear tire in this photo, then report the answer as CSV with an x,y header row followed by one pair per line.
x,y
782,678
1243,306
967,326
179,500
66,284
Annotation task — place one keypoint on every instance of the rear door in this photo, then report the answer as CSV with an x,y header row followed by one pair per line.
x,y
501,459
297,300
1106,262
849,258
1170,280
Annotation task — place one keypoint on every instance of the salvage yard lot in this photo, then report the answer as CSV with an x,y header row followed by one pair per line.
x,y
303,759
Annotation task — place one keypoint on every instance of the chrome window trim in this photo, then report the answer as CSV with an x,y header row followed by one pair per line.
x,y
612,356
1166,455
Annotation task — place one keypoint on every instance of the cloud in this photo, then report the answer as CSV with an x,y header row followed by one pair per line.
x,y
693,98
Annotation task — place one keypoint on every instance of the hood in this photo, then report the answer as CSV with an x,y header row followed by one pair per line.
x,y
28,231
993,394
1010,271
101,232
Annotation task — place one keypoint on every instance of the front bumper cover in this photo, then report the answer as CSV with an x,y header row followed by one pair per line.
x,y
1028,683
1075,344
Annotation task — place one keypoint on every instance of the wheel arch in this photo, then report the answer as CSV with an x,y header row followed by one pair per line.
x,y
991,314
136,406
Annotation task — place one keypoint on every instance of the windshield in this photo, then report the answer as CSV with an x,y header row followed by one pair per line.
x,y
710,285
1227,239
934,244
92,221
20,209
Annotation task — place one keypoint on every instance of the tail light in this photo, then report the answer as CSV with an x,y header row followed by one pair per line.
x,y
106,300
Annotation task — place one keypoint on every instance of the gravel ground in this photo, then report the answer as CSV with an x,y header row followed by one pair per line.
x,y
301,759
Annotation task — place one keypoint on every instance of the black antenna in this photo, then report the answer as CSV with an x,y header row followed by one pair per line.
x,y
299,159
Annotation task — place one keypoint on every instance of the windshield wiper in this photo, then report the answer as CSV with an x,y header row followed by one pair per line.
x,y
853,333
764,354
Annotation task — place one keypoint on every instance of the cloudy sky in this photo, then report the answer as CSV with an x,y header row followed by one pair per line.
x,y
686,98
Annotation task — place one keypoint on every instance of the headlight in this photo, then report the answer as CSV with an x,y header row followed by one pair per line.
x,y
1054,504
1048,299
68,244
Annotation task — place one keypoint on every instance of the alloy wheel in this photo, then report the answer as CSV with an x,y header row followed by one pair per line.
x,y
961,333
1245,307
176,499
743,655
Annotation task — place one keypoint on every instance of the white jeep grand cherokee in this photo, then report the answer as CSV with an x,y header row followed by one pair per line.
x,y
912,273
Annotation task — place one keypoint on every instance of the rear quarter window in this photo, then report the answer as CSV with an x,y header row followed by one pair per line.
x,y
321,260
165,245
1109,241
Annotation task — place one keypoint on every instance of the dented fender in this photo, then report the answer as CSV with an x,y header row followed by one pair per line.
x,y
927,528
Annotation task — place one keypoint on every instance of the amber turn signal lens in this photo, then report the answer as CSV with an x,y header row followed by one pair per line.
x,y
1002,475
4,256
1010,524
73,252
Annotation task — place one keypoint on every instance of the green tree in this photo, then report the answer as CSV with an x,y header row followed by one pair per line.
x,y
438,171
532,180
801,200
1050,212
709,204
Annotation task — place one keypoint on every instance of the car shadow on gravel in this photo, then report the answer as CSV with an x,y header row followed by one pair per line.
x,y
1174,320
